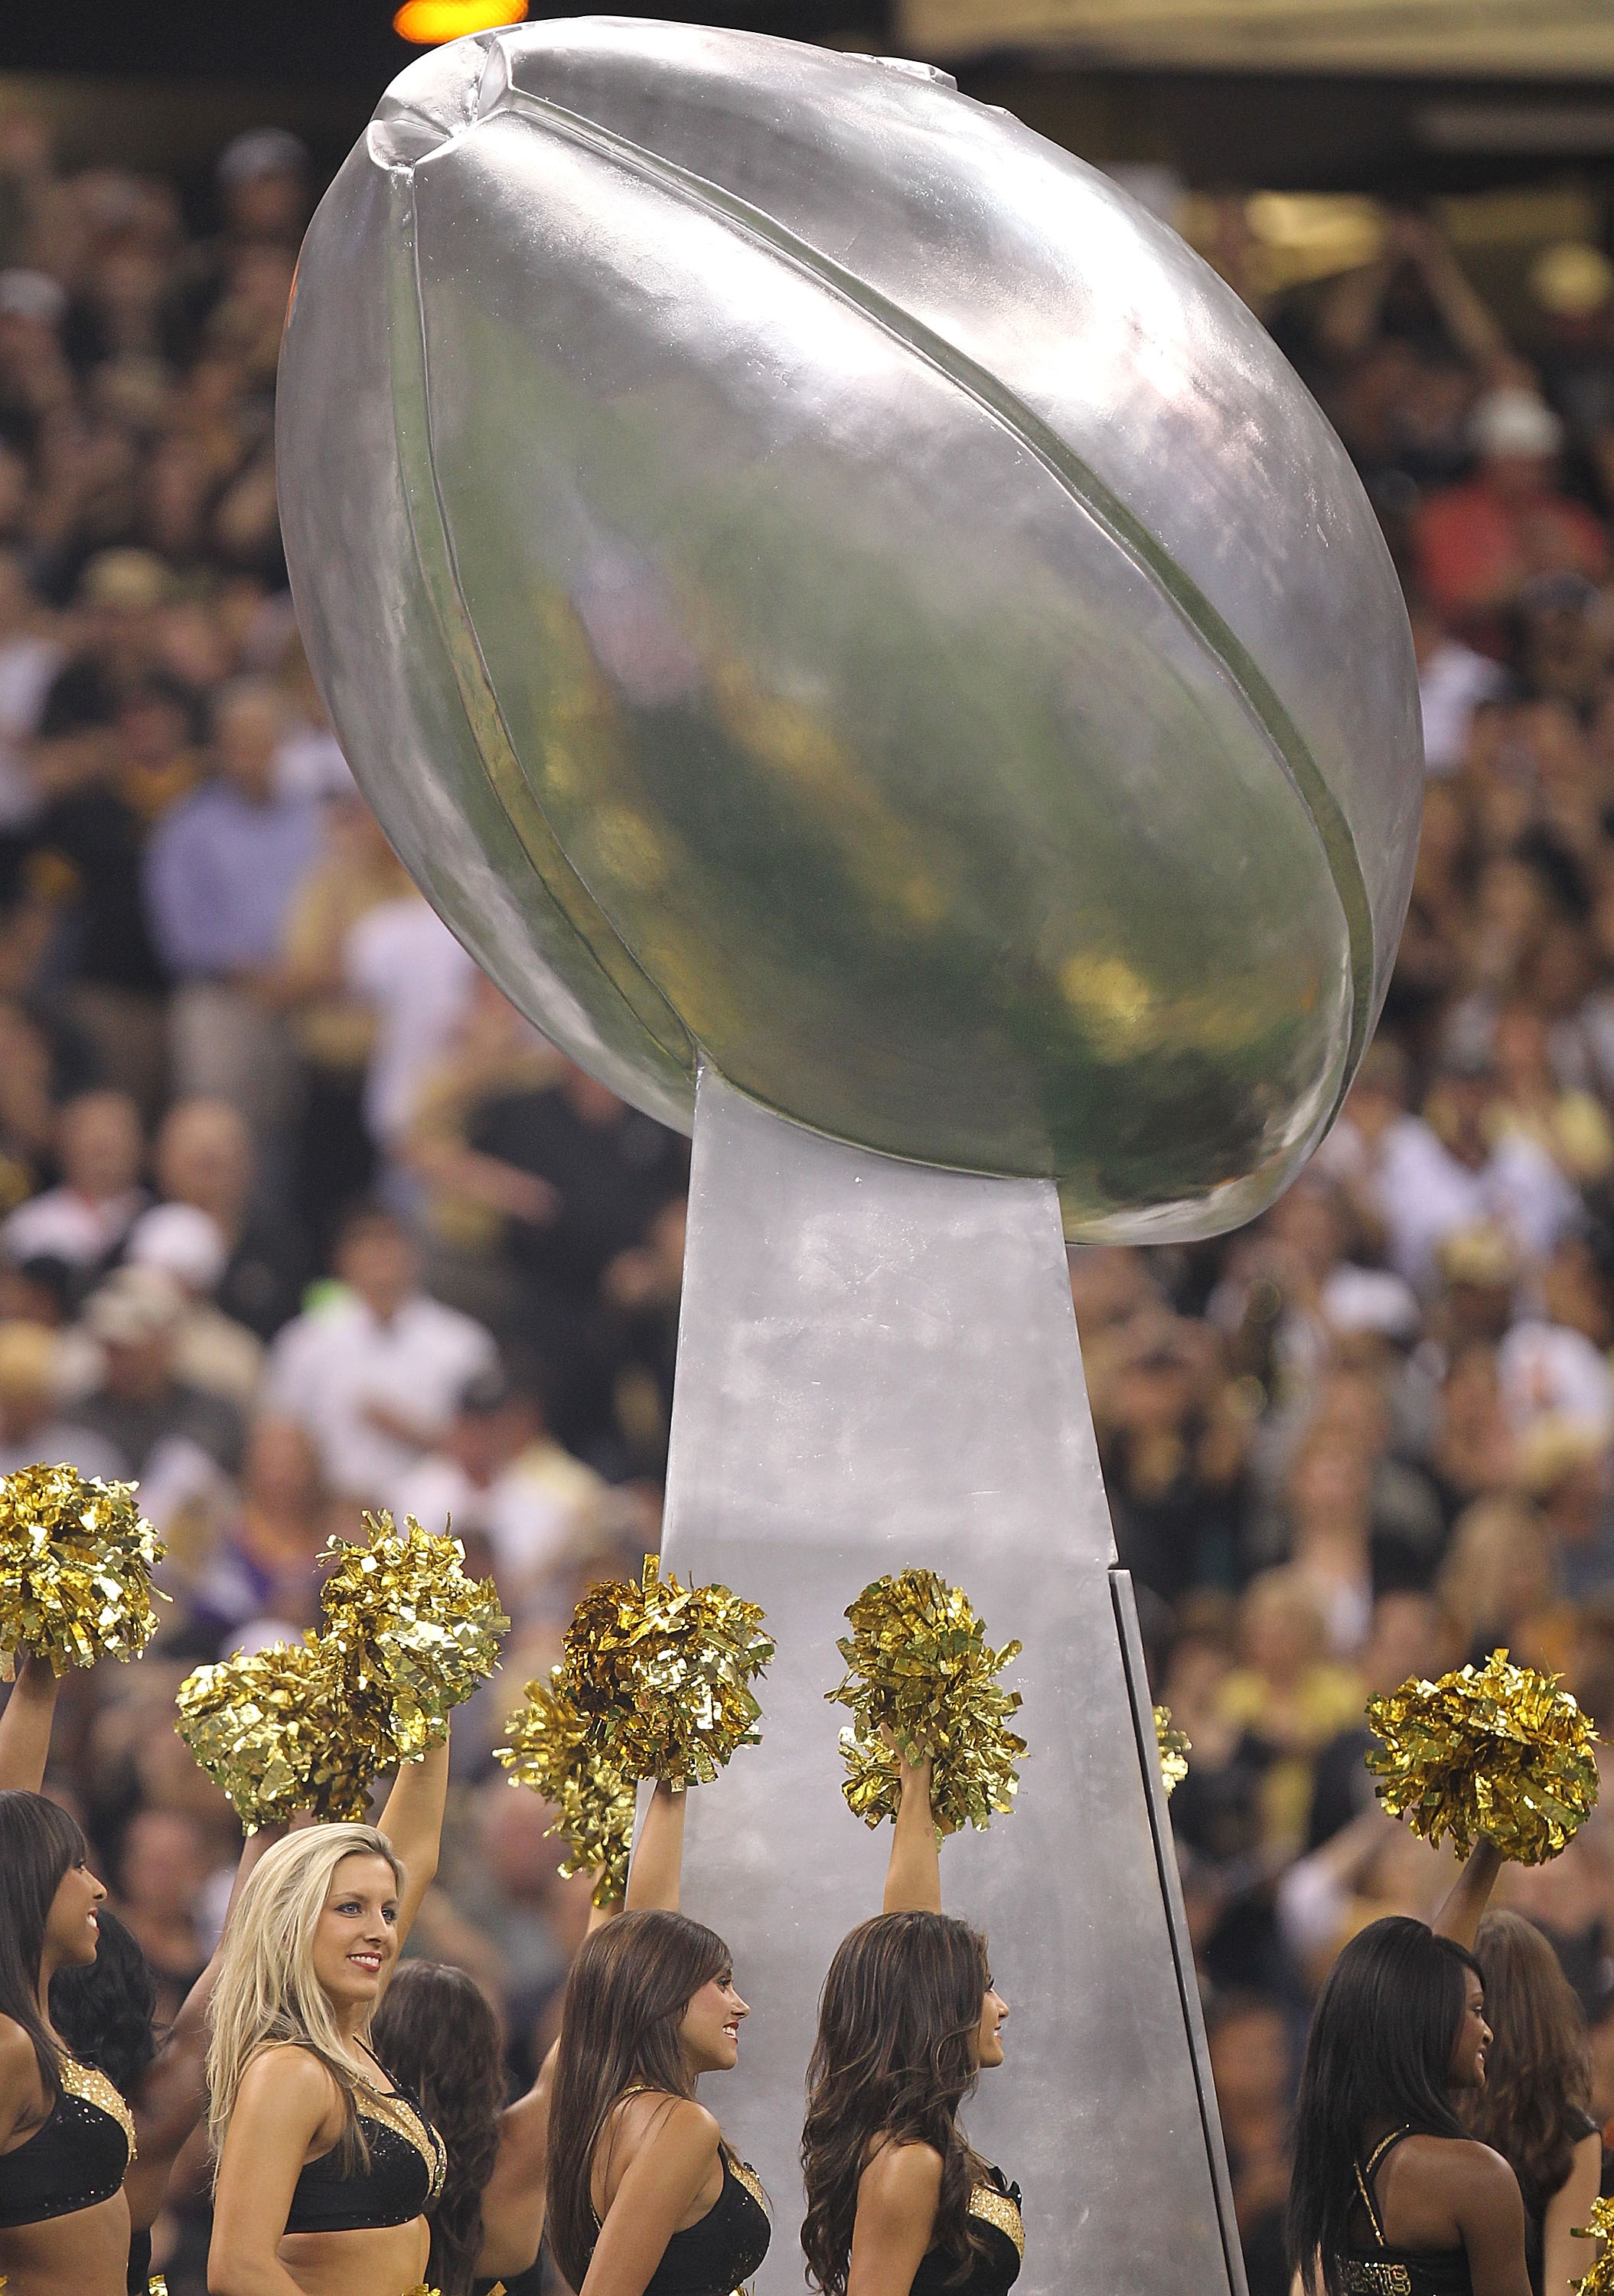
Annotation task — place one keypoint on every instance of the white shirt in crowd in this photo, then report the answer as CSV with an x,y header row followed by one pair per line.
x,y
409,969
531,1515
309,763
27,664
63,1224
326,1367
1549,1371
1451,684
1424,1194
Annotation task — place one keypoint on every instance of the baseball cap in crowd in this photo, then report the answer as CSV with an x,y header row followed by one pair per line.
x,y
182,1241
132,578
1571,278
484,1393
134,1306
1370,1300
1484,1255
1564,592
1514,423
29,1362
262,151
32,295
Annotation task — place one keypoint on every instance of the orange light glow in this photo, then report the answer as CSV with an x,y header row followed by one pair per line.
x,y
428,23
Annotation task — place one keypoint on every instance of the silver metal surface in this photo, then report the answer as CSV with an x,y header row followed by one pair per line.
x,y
878,1366
811,575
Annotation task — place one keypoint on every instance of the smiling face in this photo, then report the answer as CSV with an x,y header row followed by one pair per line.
x,y
710,2030
1473,2036
72,1934
356,1938
989,2038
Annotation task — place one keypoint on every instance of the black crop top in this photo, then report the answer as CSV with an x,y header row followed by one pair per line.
x,y
996,2205
718,2253
1376,2269
407,2164
74,2159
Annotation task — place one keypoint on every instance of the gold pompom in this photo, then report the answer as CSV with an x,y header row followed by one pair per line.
x,y
413,1635
662,1674
1496,1750
920,1678
76,1563
553,1751
1175,1746
1599,2280
269,1731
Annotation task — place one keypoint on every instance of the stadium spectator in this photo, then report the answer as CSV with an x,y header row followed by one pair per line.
x,y
373,1374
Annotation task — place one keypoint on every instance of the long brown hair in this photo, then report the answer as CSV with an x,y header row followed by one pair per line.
x,y
1537,2075
895,2057
437,2037
625,2001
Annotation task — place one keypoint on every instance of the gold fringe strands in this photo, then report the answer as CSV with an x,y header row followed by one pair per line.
x,y
553,1750
308,1726
1496,1750
413,1636
76,1563
1175,1746
1599,2280
661,1675
920,1676
269,1731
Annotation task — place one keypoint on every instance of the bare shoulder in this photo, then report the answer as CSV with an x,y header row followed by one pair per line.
x,y
287,2080
900,2178
671,2124
19,2075
680,2120
1470,2172
16,2049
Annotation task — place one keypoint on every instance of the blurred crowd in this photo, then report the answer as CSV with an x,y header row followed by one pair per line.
x,y
298,1218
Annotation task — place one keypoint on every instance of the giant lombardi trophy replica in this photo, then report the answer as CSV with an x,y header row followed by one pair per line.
x,y
865,639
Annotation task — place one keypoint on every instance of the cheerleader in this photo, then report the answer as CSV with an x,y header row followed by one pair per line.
x,y
95,2018
645,2197
1389,2190
897,2202
326,2165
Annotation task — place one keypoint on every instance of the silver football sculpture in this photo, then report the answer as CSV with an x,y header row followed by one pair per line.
x,y
814,578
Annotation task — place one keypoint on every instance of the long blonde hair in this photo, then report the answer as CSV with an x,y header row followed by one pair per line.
x,y
267,1991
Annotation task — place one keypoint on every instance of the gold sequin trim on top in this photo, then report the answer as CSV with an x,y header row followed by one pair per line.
x,y
995,2208
746,2177
1364,2279
93,2086
749,2181
397,2112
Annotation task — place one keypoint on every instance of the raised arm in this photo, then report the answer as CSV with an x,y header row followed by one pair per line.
x,y
413,1823
1468,1895
514,2197
25,1726
1564,2260
657,1868
913,1876
174,2094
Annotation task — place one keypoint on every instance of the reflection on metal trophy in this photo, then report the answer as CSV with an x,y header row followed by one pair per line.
x,y
866,641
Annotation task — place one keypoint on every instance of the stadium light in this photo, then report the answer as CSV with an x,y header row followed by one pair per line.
x,y
428,23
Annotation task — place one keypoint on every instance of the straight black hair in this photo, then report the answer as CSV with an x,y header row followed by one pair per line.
x,y
1379,2049
39,1845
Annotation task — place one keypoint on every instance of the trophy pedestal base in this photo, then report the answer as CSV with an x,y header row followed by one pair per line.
x,y
878,1367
